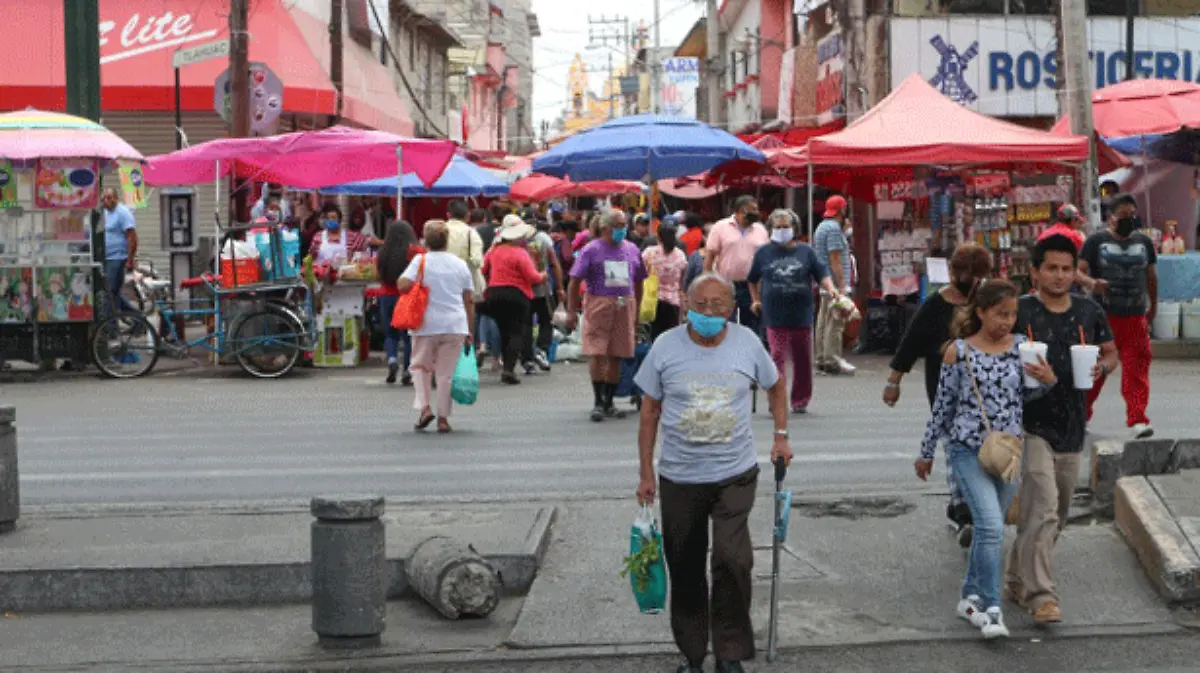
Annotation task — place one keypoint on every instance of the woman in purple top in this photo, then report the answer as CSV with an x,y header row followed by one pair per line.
x,y
612,270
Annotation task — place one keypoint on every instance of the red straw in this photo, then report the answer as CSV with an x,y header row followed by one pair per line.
x,y
1029,329
1082,338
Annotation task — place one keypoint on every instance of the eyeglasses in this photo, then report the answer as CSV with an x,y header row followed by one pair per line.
x,y
716,307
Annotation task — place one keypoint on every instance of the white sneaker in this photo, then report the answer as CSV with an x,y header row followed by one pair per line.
x,y
844,368
1142,431
971,610
994,628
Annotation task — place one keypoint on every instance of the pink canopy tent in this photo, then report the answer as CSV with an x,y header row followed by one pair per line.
x,y
538,187
305,159
1143,107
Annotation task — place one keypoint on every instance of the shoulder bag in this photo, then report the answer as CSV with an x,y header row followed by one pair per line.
x,y
1000,455
409,314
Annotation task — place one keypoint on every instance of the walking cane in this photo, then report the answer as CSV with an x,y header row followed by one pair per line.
x,y
783,506
737,318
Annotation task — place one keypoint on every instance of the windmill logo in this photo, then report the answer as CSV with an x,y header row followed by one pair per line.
x,y
949,78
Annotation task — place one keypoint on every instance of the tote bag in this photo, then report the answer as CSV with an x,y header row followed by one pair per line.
x,y
410,307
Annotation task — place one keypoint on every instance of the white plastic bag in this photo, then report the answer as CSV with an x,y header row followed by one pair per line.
x,y
239,250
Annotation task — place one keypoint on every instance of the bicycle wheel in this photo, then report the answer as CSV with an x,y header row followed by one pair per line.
x,y
125,346
267,344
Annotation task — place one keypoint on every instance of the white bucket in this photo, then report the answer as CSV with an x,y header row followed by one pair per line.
x,y
1191,320
1166,322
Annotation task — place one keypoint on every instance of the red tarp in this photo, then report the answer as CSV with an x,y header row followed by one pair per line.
x,y
793,137
138,39
537,187
918,126
1142,107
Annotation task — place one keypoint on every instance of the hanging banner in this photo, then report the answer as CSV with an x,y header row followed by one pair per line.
x,y
8,185
133,185
66,183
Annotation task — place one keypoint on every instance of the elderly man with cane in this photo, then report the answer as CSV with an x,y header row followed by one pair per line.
x,y
696,385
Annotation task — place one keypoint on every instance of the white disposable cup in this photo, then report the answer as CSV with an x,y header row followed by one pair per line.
x,y
1031,351
1083,359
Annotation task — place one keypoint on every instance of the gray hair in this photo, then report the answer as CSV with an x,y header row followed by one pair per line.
x,y
437,235
784,213
612,218
710,276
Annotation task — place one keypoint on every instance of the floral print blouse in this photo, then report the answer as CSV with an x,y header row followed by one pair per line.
x,y
956,413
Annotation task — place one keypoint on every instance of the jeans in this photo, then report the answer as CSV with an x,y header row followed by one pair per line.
x,y
989,498
510,308
666,317
114,272
392,337
487,332
539,308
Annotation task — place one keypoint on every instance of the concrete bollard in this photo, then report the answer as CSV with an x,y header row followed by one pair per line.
x,y
349,571
10,483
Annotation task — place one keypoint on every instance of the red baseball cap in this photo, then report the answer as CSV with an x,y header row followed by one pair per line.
x,y
834,205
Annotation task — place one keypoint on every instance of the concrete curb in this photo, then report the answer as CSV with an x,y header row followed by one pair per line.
x,y
1115,459
1166,554
164,587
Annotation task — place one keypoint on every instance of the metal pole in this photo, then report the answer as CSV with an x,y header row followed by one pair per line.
x,y
715,63
656,66
178,115
336,66
809,225
1079,96
81,31
239,84
611,100
399,183
1130,15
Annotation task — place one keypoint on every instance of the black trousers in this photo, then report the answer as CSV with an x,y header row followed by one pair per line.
x,y
539,308
725,613
666,316
509,307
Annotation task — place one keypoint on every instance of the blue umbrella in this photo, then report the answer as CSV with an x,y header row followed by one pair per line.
x,y
1182,147
643,146
461,178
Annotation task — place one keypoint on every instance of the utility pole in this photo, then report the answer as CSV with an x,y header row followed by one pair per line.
x,y
81,23
602,31
656,66
715,65
1079,98
335,57
1130,15
239,85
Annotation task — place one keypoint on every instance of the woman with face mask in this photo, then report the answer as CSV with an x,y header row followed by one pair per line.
x,y
669,263
781,279
334,245
926,339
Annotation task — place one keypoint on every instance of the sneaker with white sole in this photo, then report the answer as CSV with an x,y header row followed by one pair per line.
x,y
994,628
971,609
844,368
1142,431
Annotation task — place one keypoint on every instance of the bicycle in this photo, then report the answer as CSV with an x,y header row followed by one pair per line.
x,y
271,325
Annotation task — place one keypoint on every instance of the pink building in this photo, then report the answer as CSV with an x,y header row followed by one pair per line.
x,y
758,36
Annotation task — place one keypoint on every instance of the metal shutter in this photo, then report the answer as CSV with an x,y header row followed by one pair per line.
x,y
154,133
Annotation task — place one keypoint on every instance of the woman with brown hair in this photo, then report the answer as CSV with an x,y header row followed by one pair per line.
x,y
926,338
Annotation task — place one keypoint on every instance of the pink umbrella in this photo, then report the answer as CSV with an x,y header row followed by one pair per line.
x,y
305,159
36,134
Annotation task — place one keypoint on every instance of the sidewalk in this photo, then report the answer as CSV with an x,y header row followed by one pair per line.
x,y
848,583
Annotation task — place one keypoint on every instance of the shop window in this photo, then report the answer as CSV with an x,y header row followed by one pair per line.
x,y
1106,7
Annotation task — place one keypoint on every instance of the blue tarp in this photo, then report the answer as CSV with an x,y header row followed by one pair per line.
x,y
461,178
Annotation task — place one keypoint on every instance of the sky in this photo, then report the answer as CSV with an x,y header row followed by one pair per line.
x,y
564,27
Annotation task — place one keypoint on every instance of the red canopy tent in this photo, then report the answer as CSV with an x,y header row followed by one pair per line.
x,y
1142,107
537,187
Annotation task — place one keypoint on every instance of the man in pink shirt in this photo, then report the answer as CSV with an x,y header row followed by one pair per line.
x,y
731,247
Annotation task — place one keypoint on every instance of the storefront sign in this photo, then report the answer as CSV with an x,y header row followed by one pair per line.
x,y
1032,212
66,183
140,34
266,99
8,185
1005,66
681,77
133,185
831,92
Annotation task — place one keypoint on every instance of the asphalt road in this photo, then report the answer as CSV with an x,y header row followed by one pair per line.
x,y
217,436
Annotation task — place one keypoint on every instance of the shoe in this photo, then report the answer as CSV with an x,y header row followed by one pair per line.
x,y
844,368
540,359
730,667
393,369
613,412
799,409
966,533
597,414
971,610
406,380
1048,613
687,667
994,628
1142,431
529,368
509,378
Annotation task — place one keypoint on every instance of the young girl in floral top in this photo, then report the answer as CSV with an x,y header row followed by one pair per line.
x,y
986,352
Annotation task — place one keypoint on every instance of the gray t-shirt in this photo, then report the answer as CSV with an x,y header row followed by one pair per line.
x,y
542,246
829,237
705,395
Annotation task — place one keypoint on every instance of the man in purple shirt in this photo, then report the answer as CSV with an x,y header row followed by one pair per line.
x,y
612,270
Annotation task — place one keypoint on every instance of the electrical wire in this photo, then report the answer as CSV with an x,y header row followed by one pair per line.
x,y
387,43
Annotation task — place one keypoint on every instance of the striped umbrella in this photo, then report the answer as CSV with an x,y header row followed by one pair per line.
x,y
36,134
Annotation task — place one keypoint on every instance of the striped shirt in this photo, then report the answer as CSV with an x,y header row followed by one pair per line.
x,y
829,237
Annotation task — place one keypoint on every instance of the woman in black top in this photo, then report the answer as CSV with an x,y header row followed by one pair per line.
x,y
926,338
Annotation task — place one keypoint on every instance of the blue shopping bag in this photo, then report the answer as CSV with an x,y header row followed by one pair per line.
x,y
645,565
464,386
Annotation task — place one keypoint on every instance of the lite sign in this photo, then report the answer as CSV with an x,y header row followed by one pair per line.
x,y
1006,66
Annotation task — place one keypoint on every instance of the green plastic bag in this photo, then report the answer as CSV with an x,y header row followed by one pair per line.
x,y
464,386
645,566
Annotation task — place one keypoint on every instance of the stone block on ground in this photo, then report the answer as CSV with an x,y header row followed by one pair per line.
x,y
10,480
1186,455
1106,470
1144,457
1168,557
453,578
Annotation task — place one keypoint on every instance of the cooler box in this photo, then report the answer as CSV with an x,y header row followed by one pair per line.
x,y
283,262
242,271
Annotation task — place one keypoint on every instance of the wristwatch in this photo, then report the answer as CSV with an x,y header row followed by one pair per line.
x,y
781,433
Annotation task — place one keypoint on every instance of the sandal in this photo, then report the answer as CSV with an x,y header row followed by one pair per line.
x,y
443,426
424,421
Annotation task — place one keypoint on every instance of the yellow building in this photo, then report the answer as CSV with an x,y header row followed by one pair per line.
x,y
586,109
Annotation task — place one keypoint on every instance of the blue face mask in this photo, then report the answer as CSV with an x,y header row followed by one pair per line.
x,y
332,224
706,326
619,235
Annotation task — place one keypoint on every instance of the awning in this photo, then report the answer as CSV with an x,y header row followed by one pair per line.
x,y
138,42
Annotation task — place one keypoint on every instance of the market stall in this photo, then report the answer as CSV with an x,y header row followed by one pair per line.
x,y
51,231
